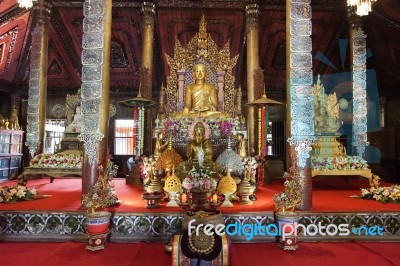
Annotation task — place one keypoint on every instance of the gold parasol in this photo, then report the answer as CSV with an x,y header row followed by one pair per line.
x,y
138,101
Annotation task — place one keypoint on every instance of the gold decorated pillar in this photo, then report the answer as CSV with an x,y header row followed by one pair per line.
x,y
148,12
252,12
95,88
36,112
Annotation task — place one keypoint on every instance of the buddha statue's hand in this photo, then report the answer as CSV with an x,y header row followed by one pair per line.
x,y
201,108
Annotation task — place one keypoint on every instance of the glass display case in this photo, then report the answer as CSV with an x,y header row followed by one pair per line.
x,y
10,153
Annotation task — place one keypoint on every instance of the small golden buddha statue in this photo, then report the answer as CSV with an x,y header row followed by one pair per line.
x,y
199,153
159,145
199,150
241,146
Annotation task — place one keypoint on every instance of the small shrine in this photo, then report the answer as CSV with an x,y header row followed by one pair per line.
x,y
329,155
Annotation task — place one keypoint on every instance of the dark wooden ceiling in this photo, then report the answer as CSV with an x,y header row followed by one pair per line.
x,y
180,19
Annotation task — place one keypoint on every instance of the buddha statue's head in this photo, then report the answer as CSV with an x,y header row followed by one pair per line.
x,y
199,132
199,72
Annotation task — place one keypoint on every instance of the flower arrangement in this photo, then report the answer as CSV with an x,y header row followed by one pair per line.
x,y
14,194
225,127
207,132
216,125
172,126
199,178
147,164
251,163
103,193
383,194
337,163
231,160
58,160
291,197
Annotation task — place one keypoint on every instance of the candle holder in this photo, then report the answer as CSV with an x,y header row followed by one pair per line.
x,y
152,199
186,204
214,206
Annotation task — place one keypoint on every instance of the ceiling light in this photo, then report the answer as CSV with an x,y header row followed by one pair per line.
x,y
363,6
26,3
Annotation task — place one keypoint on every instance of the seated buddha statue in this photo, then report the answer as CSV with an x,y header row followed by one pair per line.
x,y
200,97
199,150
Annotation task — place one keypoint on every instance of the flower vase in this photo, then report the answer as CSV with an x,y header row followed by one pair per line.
x,y
97,222
199,199
97,230
172,202
227,202
287,222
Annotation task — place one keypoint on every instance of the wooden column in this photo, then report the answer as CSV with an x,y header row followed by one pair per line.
x,y
36,113
148,12
95,88
299,96
252,13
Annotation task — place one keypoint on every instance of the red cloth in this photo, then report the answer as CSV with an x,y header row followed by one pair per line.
x,y
142,254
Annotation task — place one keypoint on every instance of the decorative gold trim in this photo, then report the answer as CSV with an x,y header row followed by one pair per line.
x,y
364,173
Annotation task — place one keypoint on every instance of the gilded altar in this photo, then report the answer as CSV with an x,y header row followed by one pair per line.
x,y
204,72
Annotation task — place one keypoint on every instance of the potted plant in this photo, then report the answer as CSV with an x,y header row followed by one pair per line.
x,y
285,204
101,196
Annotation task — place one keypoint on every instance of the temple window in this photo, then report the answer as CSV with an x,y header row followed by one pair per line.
x,y
123,137
54,132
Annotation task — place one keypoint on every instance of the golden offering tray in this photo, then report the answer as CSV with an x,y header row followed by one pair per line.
x,y
51,172
364,173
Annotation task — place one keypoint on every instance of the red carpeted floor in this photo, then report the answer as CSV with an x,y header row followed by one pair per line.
x,y
330,194
141,254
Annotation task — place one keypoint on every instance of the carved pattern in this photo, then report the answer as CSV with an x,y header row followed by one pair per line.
x,y
91,142
303,147
32,129
13,33
148,11
301,96
359,92
252,13
66,40
92,60
118,56
54,68
184,59
158,226
71,102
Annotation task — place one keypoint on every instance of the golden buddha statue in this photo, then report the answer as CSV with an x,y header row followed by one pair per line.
x,y
199,153
199,150
159,145
200,97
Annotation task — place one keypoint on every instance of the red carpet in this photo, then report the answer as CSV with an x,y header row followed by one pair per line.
x,y
330,194
141,254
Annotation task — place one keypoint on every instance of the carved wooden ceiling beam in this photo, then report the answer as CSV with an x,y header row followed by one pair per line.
x,y
225,4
